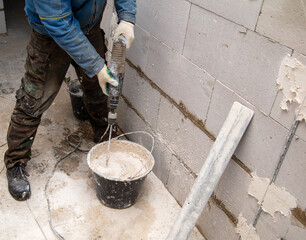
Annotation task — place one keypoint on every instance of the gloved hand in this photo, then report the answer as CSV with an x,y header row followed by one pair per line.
x,y
104,77
127,30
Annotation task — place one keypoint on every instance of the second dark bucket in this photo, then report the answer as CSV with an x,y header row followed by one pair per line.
x,y
76,97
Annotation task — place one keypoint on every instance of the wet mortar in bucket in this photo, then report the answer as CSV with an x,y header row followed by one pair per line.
x,y
119,172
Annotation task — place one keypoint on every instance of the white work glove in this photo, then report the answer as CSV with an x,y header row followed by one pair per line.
x,y
104,77
127,30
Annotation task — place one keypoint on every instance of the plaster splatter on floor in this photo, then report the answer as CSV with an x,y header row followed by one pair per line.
x,y
246,232
76,211
275,199
291,81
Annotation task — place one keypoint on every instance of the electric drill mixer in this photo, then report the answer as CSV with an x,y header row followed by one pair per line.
x,y
116,70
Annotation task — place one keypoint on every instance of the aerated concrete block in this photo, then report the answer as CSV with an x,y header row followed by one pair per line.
x,y
263,141
179,78
138,52
71,73
110,2
284,22
232,191
242,60
166,20
162,156
279,227
186,140
243,12
2,22
180,181
285,118
292,172
106,20
121,111
142,96
131,122
296,232
215,224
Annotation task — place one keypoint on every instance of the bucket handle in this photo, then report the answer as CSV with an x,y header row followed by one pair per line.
x,y
129,133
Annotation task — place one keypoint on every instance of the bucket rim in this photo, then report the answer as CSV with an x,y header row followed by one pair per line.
x,y
120,179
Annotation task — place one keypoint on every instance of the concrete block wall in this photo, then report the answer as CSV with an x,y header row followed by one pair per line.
x,y
2,18
189,62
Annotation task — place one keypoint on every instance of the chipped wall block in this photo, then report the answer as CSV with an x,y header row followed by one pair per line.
x,y
141,95
263,134
242,60
166,20
179,78
243,12
284,22
186,140
273,198
291,82
287,117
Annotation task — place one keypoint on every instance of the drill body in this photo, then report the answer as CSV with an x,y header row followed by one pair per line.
x,y
116,70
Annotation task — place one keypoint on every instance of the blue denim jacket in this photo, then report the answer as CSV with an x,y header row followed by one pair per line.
x,y
67,22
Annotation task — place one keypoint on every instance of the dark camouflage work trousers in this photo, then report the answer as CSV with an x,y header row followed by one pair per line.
x,y
45,69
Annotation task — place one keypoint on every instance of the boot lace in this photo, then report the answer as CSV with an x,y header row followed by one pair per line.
x,y
20,171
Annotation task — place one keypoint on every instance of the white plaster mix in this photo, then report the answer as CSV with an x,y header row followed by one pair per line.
x,y
276,199
246,232
292,83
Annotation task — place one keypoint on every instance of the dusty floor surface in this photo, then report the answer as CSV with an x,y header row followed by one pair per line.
x,y
75,209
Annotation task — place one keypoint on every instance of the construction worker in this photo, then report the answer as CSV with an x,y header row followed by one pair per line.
x,y
63,32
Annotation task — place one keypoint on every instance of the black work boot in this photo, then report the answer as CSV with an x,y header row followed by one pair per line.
x,y
18,184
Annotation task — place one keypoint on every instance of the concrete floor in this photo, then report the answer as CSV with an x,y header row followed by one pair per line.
x,y
76,212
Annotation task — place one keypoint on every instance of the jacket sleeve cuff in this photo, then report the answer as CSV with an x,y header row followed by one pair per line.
x,y
96,68
128,17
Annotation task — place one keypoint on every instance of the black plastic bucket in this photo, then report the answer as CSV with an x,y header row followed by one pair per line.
x,y
115,192
76,97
